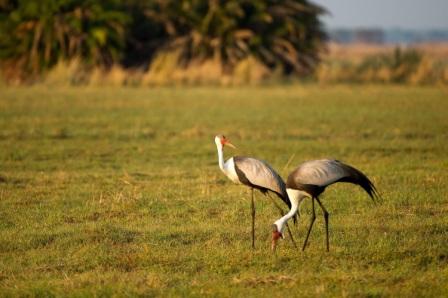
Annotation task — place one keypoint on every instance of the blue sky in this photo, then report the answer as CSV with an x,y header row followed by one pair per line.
x,y
386,14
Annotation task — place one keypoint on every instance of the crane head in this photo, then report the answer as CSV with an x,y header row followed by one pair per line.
x,y
223,141
276,234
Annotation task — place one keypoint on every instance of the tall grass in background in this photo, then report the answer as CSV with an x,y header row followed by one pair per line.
x,y
356,64
164,71
413,65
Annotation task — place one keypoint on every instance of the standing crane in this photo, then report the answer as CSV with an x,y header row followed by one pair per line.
x,y
253,173
310,180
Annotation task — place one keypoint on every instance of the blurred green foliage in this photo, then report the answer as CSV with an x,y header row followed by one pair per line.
x,y
36,35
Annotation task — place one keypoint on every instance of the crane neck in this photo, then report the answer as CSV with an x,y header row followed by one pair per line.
x,y
220,157
294,206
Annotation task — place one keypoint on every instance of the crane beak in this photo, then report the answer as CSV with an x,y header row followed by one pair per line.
x,y
227,143
275,236
273,245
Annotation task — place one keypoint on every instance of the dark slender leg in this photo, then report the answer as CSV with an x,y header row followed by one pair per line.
x,y
252,205
313,218
290,235
282,213
326,215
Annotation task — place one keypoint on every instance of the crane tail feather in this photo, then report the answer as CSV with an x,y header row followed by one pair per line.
x,y
357,177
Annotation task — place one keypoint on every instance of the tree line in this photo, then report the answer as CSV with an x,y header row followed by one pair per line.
x,y
281,34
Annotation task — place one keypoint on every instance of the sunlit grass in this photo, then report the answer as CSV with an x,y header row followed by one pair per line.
x,y
117,191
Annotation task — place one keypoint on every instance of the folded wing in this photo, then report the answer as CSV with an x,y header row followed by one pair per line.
x,y
315,175
258,174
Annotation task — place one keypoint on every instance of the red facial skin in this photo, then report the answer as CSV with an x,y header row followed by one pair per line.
x,y
223,141
276,235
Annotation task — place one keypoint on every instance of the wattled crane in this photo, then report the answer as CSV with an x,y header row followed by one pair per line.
x,y
310,180
253,173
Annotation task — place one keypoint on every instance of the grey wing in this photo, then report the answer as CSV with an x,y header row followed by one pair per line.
x,y
321,172
260,174
324,172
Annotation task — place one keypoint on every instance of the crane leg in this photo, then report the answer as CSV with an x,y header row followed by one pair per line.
x,y
282,213
313,218
326,215
252,205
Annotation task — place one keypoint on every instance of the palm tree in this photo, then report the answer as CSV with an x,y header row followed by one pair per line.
x,y
36,34
284,33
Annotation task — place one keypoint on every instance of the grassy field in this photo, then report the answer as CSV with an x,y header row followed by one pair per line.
x,y
118,192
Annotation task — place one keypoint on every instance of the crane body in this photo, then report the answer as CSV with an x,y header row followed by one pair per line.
x,y
252,172
310,179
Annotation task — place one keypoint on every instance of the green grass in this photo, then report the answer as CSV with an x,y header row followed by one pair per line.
x,y
118,192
